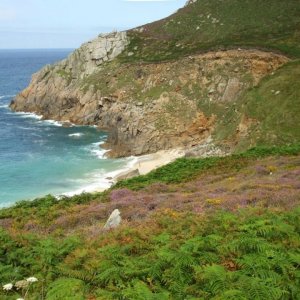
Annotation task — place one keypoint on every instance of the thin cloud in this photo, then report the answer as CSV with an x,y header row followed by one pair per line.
x,y
7,14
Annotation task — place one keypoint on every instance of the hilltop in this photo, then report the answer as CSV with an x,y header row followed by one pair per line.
x,y
204,25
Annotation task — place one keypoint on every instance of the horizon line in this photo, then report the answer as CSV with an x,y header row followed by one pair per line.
x,y
71,48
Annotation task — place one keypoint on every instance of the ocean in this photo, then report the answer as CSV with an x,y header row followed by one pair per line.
x,y
40,157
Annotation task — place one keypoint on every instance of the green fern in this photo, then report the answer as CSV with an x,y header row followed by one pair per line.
x,y
83,275
256,289
214,278
248,244
217,256
66,289
140,291
232,294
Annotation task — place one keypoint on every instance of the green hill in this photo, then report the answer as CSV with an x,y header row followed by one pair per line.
x,y
220,24
274,108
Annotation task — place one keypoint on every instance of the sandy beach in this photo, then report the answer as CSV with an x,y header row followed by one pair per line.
x,y
147,163
144,164
139,165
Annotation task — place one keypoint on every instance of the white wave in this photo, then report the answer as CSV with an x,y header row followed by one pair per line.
x,y
7,204
7,96
27,115
37,117
99,180
95,149
95,182
4,106
98,152
77,134
25,128
51,122
131,161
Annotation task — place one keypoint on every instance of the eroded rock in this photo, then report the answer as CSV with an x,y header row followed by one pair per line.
x,y
148,107
114,220
128,175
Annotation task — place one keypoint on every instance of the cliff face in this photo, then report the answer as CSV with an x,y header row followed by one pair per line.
x,y
177,100
145,107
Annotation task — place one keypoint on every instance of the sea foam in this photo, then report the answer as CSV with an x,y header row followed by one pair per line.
x,y
76,135
7,96
95,149
99,180
52,123
28,115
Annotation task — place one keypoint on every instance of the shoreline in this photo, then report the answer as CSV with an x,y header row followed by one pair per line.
x,y
140,165
82,183
136,165
149,162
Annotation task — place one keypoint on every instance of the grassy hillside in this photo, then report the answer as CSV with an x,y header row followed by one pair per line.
x,y
253,255
219,24
216,228
274,107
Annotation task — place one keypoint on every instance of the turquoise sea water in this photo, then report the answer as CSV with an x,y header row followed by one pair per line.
x,y
42,157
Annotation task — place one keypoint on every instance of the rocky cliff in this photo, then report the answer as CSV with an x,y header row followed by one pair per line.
x,y
147,106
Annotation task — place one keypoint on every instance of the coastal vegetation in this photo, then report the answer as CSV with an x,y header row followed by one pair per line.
x,y
220,24
273,104
250,255
223,74
210,228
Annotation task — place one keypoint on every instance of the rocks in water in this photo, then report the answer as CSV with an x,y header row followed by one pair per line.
x,y
128,175
67,124
114,220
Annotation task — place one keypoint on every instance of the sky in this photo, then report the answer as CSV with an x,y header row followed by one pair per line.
x,y
28,24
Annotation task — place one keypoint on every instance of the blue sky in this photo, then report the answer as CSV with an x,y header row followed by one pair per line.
x,y
69,23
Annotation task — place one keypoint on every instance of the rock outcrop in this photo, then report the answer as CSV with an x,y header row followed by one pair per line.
x,y
190,2
144,107
114,220
91,55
